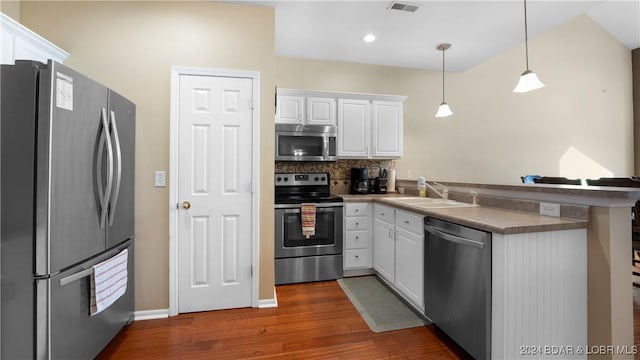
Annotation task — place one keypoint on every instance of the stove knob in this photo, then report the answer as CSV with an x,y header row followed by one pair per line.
x,y
316,179
279,179
323,178
286,178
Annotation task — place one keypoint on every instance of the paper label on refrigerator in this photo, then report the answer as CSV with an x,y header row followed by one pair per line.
x,y
64,92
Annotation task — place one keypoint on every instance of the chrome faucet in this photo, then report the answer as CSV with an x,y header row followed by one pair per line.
x,y
445,191
475,197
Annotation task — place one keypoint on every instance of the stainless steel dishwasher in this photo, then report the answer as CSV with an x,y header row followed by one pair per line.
x,y
457,289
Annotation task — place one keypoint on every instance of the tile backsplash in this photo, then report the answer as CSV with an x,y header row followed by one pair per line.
x,y
339,171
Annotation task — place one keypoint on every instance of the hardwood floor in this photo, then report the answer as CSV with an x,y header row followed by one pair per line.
x,y
312,321
636,318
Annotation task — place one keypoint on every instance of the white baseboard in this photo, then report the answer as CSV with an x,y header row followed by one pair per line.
x,y
150,314
269,303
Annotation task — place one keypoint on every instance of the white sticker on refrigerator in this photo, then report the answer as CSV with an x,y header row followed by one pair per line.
x,y
64,92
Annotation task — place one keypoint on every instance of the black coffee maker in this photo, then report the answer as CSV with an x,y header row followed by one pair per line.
x,y
359,181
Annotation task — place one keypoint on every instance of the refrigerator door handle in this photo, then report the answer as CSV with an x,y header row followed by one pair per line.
x,y
108,188
118,149
77,276
99,170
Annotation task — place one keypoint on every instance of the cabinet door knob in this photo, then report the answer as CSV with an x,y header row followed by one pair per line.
x,y
357,210
357,237
406,221
381,214
357,256
357,224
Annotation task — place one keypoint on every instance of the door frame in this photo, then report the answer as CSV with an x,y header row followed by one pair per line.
x,y
176,72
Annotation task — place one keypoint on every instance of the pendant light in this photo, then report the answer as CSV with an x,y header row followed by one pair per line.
x,y
528,80
444,110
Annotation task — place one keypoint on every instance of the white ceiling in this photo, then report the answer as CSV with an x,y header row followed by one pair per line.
x,y
477,29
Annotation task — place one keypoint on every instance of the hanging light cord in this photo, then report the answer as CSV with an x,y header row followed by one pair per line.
x,y
526,36
443,50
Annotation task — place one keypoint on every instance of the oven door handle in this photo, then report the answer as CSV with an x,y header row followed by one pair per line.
x,y
319,205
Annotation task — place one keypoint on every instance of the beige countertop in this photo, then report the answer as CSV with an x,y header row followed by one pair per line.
x,y
481,217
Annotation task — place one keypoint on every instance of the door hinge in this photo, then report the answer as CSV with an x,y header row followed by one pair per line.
x,y
251,270
252,105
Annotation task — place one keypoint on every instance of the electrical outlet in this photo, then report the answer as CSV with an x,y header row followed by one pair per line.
x,y
550,209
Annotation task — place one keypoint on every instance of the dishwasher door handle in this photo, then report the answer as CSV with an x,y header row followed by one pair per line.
x,y
453,238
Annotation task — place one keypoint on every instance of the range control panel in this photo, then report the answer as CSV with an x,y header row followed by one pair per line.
x,y
301,179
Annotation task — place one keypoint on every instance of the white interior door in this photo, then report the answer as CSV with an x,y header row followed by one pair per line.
x,y
214,193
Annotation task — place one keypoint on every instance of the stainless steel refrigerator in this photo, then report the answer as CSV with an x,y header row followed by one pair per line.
x,y
67,199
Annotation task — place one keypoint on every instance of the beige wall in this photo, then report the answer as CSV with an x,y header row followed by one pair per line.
x,y
11,9
130,47
495,136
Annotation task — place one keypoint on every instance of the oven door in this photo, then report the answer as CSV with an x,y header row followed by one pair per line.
x,y
289,241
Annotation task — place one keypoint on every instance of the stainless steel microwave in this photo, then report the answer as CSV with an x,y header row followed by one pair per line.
x,y
306,142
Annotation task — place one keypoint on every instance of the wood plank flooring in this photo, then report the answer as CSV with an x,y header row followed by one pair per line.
x,y
636,318
312,321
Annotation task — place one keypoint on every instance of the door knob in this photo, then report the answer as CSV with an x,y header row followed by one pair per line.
x,y
186,205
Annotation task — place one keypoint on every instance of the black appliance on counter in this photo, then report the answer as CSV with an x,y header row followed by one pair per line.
x,y
359,181
318,257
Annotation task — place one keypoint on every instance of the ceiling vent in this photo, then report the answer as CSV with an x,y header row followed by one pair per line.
x,y
403,6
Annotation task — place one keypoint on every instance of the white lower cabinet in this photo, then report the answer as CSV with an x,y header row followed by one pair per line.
x,y
384,244
357,234
398,251
410,256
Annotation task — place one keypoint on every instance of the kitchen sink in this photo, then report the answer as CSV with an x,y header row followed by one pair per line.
x,y
429,203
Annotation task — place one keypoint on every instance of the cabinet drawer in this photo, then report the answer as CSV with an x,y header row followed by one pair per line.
x,y
357,239
357,223
410,222
383,212
357,209
356,259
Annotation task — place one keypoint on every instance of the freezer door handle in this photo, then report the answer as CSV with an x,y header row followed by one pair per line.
x,y
87,272
104,194
118,149
77,276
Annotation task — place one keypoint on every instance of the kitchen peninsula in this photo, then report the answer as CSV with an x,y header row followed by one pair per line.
x,y
588,275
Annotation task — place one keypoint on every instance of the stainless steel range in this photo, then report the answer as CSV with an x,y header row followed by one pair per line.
x,y
299,258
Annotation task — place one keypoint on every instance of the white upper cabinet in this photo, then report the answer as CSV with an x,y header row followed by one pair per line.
x,y
369,125
386,128
353,127
301,107
19,43
370,128
290,109
321,111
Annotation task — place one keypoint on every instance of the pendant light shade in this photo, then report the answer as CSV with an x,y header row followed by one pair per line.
x,y
444,110
528,80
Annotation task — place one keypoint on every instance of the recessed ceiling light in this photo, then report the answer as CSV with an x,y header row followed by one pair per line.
x,y
369,38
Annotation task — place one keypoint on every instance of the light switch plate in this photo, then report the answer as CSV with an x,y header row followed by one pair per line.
x,y
160,179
